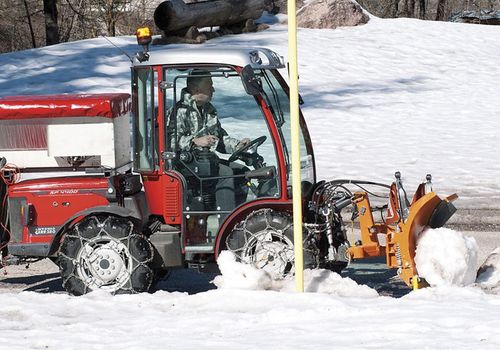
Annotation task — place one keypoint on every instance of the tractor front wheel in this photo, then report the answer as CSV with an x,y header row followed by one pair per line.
x,y
265,240
107,253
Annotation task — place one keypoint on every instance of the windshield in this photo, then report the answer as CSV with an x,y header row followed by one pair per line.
x,y
280,103
237,112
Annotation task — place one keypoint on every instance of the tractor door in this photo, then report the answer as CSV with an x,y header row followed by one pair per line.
x,y
219,175
163,190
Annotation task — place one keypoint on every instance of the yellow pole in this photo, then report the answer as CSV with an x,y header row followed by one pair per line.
x,y
295,130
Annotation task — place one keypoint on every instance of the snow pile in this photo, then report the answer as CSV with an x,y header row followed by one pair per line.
x,y
446,257
236,275
488,276
328,282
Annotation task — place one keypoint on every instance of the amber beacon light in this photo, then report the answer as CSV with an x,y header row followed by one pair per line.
x,y
143,36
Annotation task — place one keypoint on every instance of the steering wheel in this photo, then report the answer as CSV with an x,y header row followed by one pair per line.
x,y
256,142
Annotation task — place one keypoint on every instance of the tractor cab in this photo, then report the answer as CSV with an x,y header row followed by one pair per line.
x,y
215,154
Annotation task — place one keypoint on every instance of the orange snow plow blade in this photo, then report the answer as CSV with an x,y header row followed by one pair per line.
x,y
396,238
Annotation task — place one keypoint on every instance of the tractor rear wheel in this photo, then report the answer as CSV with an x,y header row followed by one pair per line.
x,y
107,253
265,240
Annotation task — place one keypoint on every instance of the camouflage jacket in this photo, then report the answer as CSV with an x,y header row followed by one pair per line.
x,y
193,123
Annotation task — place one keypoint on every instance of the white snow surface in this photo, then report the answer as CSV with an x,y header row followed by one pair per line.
x,y
449,318
400,94
446,257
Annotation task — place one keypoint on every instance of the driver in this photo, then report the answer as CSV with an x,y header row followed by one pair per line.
x,y
197,122
198,126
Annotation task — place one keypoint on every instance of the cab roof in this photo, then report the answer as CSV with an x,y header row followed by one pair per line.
x,y
255,57
64,105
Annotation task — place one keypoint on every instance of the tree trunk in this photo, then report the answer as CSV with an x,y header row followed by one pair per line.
x,y
440,10
393,8
422,9
174,15
412,8
405,12
30,24
51,27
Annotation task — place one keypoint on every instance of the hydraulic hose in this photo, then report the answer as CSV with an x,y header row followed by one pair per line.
x,y
356,182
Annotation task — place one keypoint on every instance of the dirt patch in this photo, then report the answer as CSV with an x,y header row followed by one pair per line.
x,y
41,276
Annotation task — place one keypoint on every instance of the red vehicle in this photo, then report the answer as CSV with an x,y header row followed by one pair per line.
x,y
71,192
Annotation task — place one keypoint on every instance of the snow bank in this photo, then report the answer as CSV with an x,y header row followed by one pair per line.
x,y
236,275
446,257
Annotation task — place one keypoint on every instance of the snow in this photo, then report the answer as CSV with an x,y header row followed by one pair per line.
x,y
395,94
240,276
444,317
446,257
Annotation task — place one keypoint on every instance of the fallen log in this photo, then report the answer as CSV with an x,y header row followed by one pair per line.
x,y
176,16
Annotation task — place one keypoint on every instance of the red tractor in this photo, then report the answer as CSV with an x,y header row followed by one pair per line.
x,y
71,193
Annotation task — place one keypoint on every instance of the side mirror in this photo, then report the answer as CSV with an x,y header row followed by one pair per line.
x,y
250,81
264,173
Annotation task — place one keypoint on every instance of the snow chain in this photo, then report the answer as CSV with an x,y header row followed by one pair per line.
x,y
127,287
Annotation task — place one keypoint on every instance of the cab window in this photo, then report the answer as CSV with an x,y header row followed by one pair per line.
x,y
145,146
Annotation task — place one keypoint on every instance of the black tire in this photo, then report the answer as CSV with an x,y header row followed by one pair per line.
x,y
273,251
105,252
